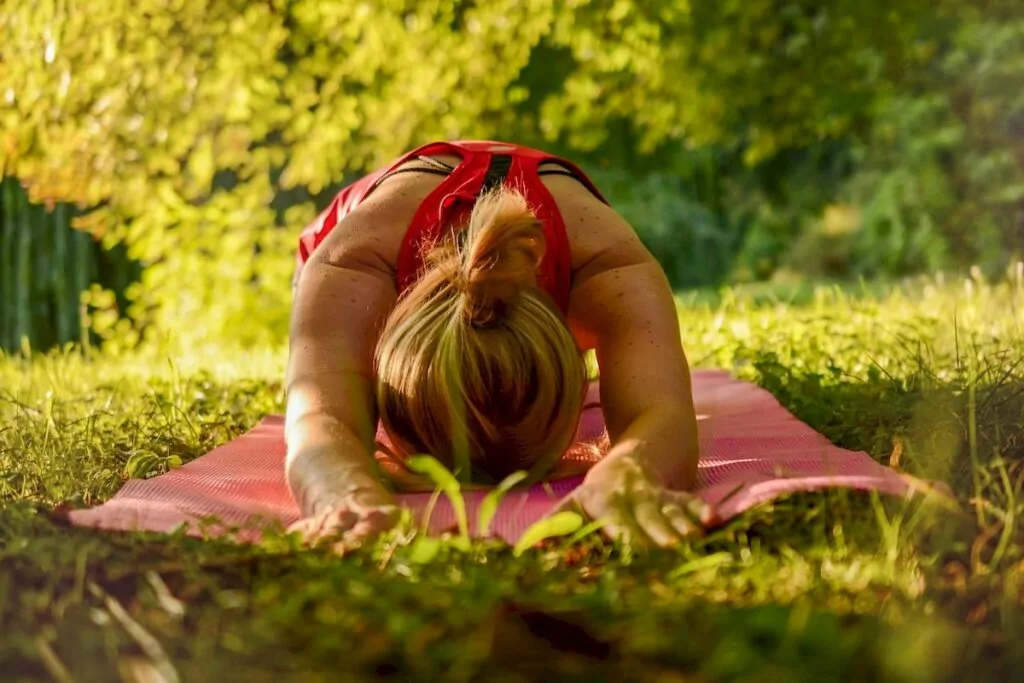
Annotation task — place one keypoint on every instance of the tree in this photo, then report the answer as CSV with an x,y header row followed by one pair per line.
x,y
181,123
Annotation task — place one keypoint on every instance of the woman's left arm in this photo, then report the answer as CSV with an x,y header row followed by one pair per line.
x,y
630,317
622,306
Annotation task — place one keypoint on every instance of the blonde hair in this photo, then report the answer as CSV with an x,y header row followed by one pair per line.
x,y
475,365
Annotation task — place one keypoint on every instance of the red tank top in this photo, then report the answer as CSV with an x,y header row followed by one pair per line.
x,y
483,164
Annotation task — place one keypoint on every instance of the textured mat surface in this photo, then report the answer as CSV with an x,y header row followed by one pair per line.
x,y
752,450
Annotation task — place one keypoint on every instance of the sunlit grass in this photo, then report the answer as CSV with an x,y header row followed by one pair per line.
x,y
927,376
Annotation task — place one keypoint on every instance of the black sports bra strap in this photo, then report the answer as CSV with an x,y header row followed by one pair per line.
x,y
435,163
562,170
434,171
497,169
556,171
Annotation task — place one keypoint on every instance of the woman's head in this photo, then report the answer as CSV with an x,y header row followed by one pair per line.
x,y
475,365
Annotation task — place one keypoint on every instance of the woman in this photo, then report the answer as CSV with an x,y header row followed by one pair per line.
x,y
452,295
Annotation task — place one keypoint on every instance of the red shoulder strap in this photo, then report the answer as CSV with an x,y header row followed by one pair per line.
x,y
555,275
445,208
450,203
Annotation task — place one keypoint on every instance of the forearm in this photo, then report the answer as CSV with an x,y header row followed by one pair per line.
x,y
331,421
330,429
663,441
327,461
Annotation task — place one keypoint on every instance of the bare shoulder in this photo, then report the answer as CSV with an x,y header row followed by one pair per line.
x,y
617,285
370,237
599,238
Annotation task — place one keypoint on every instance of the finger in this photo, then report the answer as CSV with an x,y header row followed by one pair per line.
x,y
703,511
694,505
651,520
332,525
363,531
376,522
310,535
372,523
684,523
623,533
339,521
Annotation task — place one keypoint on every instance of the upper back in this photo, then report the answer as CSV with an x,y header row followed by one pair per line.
x,y
381,230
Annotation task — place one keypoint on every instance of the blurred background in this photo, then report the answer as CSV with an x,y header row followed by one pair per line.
x,y
160,157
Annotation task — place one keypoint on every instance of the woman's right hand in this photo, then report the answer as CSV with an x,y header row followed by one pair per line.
x,y
361,510
349,521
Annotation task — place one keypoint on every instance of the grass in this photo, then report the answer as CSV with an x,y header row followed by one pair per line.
x,y
926,376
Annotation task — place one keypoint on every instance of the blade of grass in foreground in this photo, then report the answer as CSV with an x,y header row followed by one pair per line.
x,y
558,524
489,505
446,481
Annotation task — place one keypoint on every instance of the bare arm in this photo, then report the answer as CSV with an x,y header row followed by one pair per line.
x,y
622,306
341,301
343,298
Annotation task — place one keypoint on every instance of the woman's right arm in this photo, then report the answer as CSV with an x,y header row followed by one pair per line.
x,y
341,302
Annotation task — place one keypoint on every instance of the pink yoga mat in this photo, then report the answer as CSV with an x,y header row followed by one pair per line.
x,y
751,448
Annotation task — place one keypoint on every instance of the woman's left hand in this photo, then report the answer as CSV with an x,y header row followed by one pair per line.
x,y
634,508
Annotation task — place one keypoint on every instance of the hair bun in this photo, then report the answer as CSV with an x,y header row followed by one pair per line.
x,y
504,245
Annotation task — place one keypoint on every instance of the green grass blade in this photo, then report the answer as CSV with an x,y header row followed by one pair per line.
x,y
424,550
586,530
1010,523
558,524
428,511
446,481
972,438
489,505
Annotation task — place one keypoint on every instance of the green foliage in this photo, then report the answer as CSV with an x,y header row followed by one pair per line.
x,y
204,134
939,179
760,76
694,244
